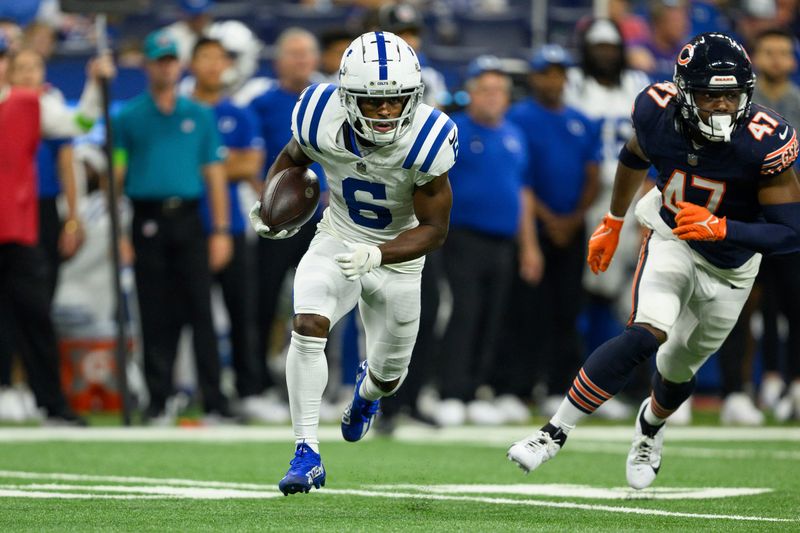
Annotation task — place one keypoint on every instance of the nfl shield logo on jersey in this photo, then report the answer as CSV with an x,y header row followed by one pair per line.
x,y
361,167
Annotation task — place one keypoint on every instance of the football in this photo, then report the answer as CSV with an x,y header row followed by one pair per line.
x,y
290,198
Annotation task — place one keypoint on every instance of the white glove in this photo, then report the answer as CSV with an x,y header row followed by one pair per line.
x,y
361,259
263,230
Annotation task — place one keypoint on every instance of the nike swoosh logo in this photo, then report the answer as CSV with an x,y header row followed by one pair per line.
x,y
603,234
452,138
783,135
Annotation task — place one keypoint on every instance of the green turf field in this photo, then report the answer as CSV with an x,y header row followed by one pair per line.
x,y
224,479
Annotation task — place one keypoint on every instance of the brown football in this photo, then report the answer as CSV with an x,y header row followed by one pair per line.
x,y
290,198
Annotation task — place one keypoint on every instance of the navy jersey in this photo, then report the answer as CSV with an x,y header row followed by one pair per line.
x,y
724,177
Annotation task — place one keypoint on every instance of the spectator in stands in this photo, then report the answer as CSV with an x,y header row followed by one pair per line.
x,y
603,88
59,239
669,20
12,34
634,28
194,23
244,160
774,59
561,182
333,44
296,61
26,117
166,146
479,251
239,41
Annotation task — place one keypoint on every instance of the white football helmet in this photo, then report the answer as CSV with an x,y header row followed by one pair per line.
x,y
380,65
242,44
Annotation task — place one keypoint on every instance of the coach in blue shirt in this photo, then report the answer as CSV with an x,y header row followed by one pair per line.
x,y
167,149
561,182
484,222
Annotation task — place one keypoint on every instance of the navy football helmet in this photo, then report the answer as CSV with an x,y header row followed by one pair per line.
x,y
713,62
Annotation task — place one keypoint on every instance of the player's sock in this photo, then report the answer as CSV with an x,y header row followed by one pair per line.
x,y
306,377
311,443
370,391
606,371
665,399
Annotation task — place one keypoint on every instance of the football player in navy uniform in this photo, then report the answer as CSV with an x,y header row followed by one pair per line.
x,y
726,193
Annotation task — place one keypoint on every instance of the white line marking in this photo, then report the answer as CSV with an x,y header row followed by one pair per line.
x,y
192,493
691,451
203,490
58,476
561,505
583,491
500,436
65,495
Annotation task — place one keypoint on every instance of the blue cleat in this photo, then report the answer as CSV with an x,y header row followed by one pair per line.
x,y
305,471
359,414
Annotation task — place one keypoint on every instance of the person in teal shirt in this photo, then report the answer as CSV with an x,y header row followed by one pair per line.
x,y
167,150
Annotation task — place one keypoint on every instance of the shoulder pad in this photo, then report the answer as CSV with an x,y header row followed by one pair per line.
x,y
773,139
314,106
434,144
649,105
651,101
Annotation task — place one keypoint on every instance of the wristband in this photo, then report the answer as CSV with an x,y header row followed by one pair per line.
x,y
71,226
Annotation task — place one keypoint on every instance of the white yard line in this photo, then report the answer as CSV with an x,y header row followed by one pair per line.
x,y
489,436
689,451
160,488
582,491
561,505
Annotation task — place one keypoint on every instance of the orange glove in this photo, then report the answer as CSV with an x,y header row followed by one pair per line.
x,y
697,223
603,243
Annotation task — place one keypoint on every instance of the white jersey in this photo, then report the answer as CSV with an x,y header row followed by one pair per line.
x,y
611,105
371,194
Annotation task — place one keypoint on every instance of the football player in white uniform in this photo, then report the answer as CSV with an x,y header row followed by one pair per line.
x,y
386,157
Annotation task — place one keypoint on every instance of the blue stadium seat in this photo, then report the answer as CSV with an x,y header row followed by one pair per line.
x,y
501,33
452,62
314,20
562,15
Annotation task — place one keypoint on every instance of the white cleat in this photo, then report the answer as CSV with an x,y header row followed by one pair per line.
x,y
529,453
644,459
739,410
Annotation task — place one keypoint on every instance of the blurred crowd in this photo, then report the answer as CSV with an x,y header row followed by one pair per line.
x,y
509,310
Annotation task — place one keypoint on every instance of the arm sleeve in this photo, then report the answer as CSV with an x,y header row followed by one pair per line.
x,y
780,234
782,146
58,120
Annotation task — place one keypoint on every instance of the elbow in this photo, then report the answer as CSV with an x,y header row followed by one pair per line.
x,y
440,236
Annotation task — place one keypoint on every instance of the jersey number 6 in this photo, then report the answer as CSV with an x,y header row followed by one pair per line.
x,y
675,191
380,216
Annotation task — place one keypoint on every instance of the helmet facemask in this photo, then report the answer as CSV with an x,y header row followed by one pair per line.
x,y
365,126
720,126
